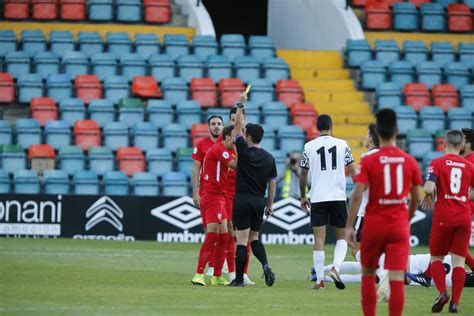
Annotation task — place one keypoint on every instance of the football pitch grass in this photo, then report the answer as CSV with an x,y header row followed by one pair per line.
x,y
62,276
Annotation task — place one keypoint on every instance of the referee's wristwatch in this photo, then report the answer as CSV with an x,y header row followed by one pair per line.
x,y
239,105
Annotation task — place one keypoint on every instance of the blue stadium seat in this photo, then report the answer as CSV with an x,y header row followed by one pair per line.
x,y
4,182
101,160
118,43
389,95
427,157
280,161
26,182
405,16
442,53
104,65
75,63
159,161
252,112
467,97
72,110
292,138
419,142
275,69
204,46
219,67
233,45
162,66
222,112
59,86
188,113
86,182
429,73
115,135
459,118
58,134
432,119
174,184
175,90
469,3
247,68
433,17
160,112
145,135
71,159
373,73
131,111
33,41
90,43
406,118
457,74
56,182
28,132
116,183
190,67
262,91
116,88
175,136
146,44
129,10
401,72
102,111
445,3
269,139
132,65
358,51
176,45
386,51
7,41
13,158
185,161
261,47
100,10
415,52
145,184
275,114
29,86
5,133
466,53
61,41
18,63
46,63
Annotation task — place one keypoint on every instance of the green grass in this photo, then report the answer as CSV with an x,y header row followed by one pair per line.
x,y
59,276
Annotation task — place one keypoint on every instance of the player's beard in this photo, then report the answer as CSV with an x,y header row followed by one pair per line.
x,y
215,133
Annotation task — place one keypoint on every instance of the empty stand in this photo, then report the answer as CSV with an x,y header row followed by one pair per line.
x,y
87,134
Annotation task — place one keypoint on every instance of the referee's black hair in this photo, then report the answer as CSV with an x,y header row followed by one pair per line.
x,y
469,134
386,123
227,131
255,131
373,135
324,123
213,117
233,111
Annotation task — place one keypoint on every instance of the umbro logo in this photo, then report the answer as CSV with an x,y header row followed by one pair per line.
x,y
288,215
104,210
417,217
180,212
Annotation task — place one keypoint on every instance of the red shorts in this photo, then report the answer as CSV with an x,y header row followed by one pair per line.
x,y
213,210
229,205
392,239
450,238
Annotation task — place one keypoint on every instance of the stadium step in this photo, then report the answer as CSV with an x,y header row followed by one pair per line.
x,y
337,108
310,73
425,37
327,96
309,58
353,119
327,85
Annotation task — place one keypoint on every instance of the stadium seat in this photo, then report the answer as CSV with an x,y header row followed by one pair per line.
x,y
175,90
433,17
13,158
188,113
132,65
204,91
204,46
175,136
146,87
86,182
29,86
386,51
269,140
432,119
157,11
6,134
469,3
222,112
18,63
303,115
16,9
61,41
59,87
43,109
101,160
219,67
129,10
145,184
73,10
7,41
176,45
459,18
41,157
174,184
230,90
26,182
118,43
90,43
419,142
116,183
389,95
467,97
252,112
405,17
72,110
145,135
459,118
102,111
130,160
131,111
378,16
104,65
429,73
275,69
446,3
189,67
88,88
280,161
100,10
415,52
275,115
198,132
44,9
7,88
427,157
358,51
261,47
161,67
292,138
232,45
160,112
75,63
33,41
445,96
466,54
46,63
457,74
4,182
289,92
406,119
116,88
115,135
28,132
401,72
373,73
71,159
160,161
185,161
147,44
58,134
247,68
416,95
87,134
442,53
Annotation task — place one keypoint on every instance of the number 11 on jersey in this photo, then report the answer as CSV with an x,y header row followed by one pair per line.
x,y
387,178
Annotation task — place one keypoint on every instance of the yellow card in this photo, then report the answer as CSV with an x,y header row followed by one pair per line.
x,y
248,89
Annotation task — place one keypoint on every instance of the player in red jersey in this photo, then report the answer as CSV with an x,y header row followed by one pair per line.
x,y
214,172
391,174
449,178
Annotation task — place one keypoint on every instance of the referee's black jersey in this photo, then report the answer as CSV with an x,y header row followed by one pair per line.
x,y
255,167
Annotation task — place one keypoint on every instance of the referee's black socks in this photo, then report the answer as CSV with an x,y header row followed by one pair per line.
x,y
240,262
259,251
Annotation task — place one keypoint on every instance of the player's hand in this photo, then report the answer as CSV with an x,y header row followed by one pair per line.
x,y
351,237
427,202
197,200
268,210
305,205
243,98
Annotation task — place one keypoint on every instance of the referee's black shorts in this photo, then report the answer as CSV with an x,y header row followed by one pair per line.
x,y
330,212
248,211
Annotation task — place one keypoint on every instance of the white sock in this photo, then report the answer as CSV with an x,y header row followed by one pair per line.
x,y
381,272
339,253
318,262
358,256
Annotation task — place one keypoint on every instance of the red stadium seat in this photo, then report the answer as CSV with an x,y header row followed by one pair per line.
x,y
416,95
43,109
311,133
130,160
230,90
289,92
459,18
358,3
198,132
445,96
418,3
87,134
73,10
157,11
42,157
379,16
88,88
439,142
16,9
7,88
204,91
45,9
146,87
303,114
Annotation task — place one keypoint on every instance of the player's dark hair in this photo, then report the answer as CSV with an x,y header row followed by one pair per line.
x,y
233,111
227,131
454,138
213,117
469,134
373,135
255,131
386,123
324,122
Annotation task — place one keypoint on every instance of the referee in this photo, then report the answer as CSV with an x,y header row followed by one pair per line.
x,y
255,170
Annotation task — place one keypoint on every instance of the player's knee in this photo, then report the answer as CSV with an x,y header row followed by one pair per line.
x,y
368,271
458,261
436,258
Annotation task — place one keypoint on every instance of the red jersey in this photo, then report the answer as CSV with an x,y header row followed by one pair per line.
x,y
231,179
390,173
453,176
470,158
214,170
199,152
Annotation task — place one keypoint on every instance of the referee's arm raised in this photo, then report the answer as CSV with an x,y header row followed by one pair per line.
x,y
239,115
